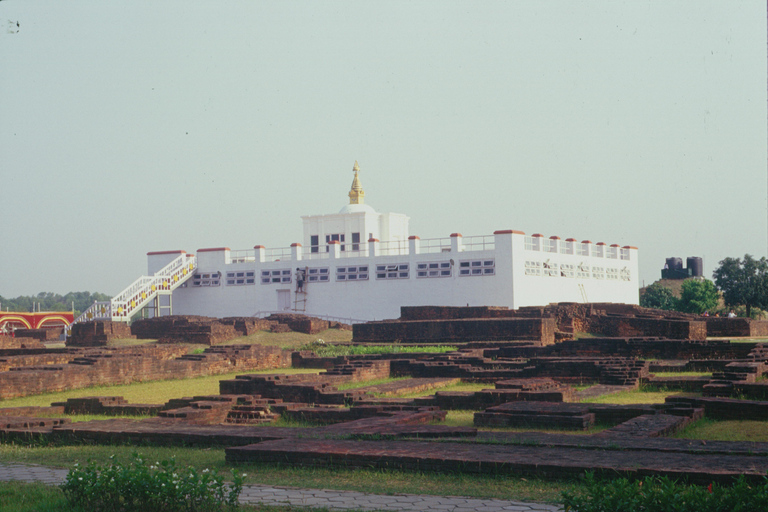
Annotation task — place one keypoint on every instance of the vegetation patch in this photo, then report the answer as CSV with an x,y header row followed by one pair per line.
x,y
725,430
150,487
461,386
323,349
643,395
662,494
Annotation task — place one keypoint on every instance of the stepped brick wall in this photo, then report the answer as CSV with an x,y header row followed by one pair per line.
x,y
98,333
137,364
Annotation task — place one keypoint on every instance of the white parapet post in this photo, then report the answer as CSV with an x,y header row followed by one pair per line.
x,y
334,249
373,247
260,253
414,244
456,245
296,251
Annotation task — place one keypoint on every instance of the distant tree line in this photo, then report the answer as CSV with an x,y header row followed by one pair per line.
x,y
742,284
52,302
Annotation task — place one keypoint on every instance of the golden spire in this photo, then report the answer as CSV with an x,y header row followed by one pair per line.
x,y
356,194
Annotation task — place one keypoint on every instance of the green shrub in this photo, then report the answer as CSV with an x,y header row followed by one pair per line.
x,y
662,494
158,487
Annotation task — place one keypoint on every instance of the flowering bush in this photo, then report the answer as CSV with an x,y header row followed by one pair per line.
x,y
662,494
161,486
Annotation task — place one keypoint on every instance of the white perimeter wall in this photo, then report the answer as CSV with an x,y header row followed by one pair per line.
x,y
511,282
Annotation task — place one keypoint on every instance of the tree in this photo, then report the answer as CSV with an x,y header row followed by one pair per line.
x,y
657,296
743,283
698,296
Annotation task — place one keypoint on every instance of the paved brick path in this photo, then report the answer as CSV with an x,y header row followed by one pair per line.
x,y
318,498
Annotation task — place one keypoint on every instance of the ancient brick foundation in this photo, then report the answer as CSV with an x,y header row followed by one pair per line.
x,y
98,333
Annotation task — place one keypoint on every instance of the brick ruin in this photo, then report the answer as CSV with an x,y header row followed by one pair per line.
x,y
195,329
526,378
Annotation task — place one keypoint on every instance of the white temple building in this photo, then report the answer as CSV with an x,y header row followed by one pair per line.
x,y
358,265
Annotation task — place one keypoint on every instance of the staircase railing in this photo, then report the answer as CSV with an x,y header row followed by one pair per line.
x,y
139,293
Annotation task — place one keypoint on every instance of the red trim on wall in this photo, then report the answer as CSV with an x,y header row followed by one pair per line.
x,y
214,249
554,237
615,245
586,241
296,244
156,253
570,239
376,239
454,235
630,247
508,232
259,247
413,237
600,243
538,235
334,242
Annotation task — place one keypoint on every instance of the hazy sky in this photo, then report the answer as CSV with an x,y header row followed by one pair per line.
x,y
128,127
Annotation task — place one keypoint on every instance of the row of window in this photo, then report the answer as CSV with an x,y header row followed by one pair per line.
x,y
544,268
351,273
553,245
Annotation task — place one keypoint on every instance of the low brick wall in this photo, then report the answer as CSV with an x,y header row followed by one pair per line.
x,y
540,330
627,326
736,327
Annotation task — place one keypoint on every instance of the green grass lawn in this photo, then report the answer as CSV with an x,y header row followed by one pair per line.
x,y
725,430
636,396
363,480
672,375
153,392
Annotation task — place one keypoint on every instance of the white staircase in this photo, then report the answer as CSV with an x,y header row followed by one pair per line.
x,y
141,292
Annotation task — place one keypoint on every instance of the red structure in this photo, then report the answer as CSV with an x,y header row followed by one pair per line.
x,y
40,320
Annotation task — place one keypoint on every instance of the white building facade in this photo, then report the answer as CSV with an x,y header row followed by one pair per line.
x,y
360,265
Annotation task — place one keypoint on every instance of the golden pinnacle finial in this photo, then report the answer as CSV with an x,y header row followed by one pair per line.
x,y
356,194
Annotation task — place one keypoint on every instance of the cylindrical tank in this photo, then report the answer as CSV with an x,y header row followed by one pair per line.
x,y
675,263
695,266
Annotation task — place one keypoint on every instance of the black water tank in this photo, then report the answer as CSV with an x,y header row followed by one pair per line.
x,y
695,266
675,263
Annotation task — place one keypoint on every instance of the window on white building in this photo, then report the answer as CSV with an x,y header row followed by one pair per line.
x,y
598,273
334,238
318,275
533,268
599,251
625,275
393,271
566,270
241,277
276,276
612,274
434,269
314,243
566,247
355,241
354,273
584,249
613,253
583,271
211,279
477,267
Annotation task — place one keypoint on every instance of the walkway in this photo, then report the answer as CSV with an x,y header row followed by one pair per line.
x,y
317,498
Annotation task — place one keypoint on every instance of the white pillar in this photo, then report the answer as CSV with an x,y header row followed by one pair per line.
x,y
373,247
414,244
296,252
456,245
260,253
334,249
